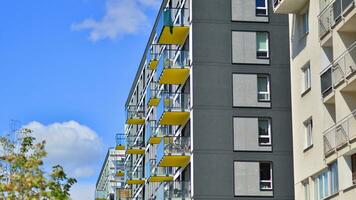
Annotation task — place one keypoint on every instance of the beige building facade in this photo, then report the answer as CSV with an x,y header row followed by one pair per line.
x,y
323,81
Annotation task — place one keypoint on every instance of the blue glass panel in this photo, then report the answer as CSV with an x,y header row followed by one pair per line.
x,y
260,3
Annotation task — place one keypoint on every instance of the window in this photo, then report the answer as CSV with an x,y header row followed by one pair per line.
x,y
266,176
308,125
264,132
327,182
306,22
306,190
263,88
261,7
353,163
306,77
262,45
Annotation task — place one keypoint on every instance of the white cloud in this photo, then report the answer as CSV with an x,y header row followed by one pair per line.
x,y
82,191
121,17
74,146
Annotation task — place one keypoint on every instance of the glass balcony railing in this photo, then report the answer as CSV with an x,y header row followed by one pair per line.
x,y
173,151
134,175
174,190
135,145
135,115
173,26
339,70
120,141
157,174
332,14
173,67
153,56
173,109
152,94
101,195
340,134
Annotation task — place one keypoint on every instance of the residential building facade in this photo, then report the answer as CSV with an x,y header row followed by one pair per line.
x,y
323,62
209,111
111,177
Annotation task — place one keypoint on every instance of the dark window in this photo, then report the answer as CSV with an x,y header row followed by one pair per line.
x,y
266,176
261,8
353,161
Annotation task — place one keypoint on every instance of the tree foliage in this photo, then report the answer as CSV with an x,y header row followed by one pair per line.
x,y
22,176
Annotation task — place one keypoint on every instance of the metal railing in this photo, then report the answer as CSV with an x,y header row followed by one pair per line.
x,y
340,69
173,58
135,112
172,145
174,190
332,14
340,134
171,102
134,141
173,17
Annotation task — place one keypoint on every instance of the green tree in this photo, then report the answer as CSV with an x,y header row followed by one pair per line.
x,y
22,176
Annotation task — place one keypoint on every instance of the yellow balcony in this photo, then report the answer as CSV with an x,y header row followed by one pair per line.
x,y
153,56
152,94
158,174
173,67
135,115
174,152
135,145
134,175
173,26
120,141
173,109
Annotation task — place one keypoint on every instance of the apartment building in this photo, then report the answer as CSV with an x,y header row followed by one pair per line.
x,y
323,62
209,111
111,177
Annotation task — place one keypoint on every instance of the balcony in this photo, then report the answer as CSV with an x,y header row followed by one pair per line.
x,y
120,141
135,115
340,70
174,190
153,57
173,109
173,26
334,13
288,6
120,168
341,134
135,145
134,175
156,174
173,67
173,152
152,94
153,133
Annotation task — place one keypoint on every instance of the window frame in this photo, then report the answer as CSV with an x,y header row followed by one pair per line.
x,y
324,185
266,51
269,131
308,133
270,181
262,8
306,70
268,92
306,189
305,22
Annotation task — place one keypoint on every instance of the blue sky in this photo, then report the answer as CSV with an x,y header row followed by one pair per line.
x,y
67,65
